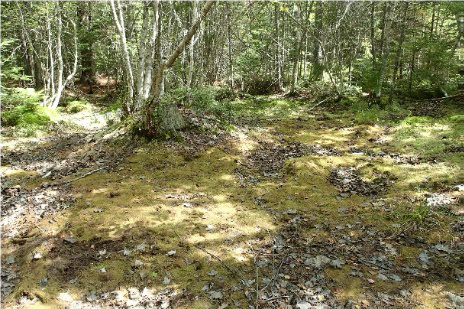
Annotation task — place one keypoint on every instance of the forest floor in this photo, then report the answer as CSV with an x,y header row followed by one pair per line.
x,y
292,209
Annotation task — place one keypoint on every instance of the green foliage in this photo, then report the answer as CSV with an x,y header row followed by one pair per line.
x,y
10,71
365,75
22,110
214,100
415,215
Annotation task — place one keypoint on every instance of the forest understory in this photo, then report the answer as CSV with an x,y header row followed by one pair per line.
x,y
294,207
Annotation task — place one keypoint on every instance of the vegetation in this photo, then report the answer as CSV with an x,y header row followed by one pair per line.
x,y
213,154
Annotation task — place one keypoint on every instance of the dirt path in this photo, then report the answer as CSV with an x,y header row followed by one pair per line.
x,y
300,212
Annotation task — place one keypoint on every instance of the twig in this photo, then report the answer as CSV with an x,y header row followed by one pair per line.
x,y
318,104
80,177
37,226
275,275
233,271
277,297
439,99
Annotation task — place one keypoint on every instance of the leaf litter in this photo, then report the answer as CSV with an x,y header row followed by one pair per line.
x,y
291,269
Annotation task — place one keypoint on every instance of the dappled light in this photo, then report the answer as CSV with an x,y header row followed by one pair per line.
x,y
206,154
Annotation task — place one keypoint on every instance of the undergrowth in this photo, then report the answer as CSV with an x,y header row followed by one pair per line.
x,y
21,111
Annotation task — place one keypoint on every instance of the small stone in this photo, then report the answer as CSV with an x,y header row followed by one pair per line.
x,y
210,228
424,258
215,295
291,212
103,270
444,248
138,263
127,251
70,240
371,281
10,260
213,273
65,297
92,297
303,305
172,252
140,247
382,277
188,205
37,256
43,282
395,277
98,210
166,280
134,293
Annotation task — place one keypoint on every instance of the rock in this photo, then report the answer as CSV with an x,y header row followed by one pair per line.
x,y
213,273
127,251
166,280
171,118
423,258
37,256
43,282
215,295
92,297
134,293
65,297
70,240
172,252
444,248
210,228
140,247
138,263
303,305
10,260
395,278
382,277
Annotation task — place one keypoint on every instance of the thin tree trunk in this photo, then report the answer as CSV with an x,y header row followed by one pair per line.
x,y
84,10
317,67
191,47
398,53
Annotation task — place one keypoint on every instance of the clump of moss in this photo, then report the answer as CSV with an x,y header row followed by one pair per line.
x,y
77,106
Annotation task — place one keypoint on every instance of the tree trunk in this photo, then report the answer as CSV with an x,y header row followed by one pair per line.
x,y
317,66
84,19
398,52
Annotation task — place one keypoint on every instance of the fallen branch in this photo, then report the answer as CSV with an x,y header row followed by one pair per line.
x,y
326,99
80,177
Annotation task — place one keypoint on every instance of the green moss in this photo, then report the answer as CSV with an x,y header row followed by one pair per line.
x,y
348,287
76,106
